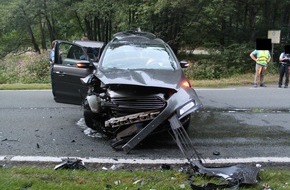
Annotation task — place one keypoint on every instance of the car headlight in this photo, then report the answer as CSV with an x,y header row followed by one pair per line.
x,y
186,108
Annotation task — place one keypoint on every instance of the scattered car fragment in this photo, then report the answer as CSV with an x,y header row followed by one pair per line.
x,y
70,163
234,175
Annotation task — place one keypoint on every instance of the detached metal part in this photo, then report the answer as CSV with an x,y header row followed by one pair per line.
x,y
70,163
237,174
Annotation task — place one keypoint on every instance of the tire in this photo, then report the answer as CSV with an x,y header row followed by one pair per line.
x,y
92,120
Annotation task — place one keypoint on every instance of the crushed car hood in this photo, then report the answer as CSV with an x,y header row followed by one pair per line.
x,y
146,77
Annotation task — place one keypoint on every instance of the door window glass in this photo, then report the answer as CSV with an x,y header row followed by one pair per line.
x,y
70,53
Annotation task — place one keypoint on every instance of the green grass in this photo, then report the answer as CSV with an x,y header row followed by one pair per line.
x,y
44,178
18,86
238,80
24,177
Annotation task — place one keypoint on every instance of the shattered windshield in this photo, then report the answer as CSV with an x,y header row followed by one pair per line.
x,y
130,56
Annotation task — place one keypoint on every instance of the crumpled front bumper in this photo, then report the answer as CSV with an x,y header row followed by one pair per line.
x,y
182,103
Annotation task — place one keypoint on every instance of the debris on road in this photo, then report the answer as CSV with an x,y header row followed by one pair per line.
x,y
266,187
216,153
233,175
165,167
117,182
70,163
137,181
9,140
117,166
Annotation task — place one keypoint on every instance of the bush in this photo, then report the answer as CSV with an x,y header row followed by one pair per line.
x,y
25,68
230,61
233,60
273,68
204,69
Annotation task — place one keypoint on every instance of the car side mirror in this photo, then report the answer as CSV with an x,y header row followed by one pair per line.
x,y
184,64
83,64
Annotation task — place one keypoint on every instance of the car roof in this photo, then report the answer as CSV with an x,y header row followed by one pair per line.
x,y
92,44
136,37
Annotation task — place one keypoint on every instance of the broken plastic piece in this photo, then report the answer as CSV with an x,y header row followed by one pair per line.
x,y
242,173
235,175
216,153
71,163
118,182
137,181
266,187
116,167
104,168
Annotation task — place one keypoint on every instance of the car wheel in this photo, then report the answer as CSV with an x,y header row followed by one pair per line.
x,y
92,120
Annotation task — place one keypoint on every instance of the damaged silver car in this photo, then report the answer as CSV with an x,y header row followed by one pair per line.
x,y
137,85
138,89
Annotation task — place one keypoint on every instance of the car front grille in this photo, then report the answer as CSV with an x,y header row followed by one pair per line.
x,y
125,105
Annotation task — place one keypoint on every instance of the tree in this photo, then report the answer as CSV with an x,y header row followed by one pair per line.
x,y
181,23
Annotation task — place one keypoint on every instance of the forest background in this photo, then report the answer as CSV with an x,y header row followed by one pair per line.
x,y
226,29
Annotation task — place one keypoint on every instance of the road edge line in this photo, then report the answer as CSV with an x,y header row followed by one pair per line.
x,y
106,160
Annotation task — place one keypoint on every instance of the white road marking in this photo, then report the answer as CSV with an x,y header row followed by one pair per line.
x,y
146,160
215,89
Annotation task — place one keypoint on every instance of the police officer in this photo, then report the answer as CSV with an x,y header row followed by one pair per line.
x,y
284,64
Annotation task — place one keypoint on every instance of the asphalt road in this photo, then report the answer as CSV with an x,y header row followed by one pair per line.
x,y
237,122
243,122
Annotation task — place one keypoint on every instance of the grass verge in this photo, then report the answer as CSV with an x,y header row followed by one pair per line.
x,y
18,86
239,80
31,178
40,178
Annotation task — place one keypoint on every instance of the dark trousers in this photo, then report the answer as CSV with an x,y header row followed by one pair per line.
x,y
283,71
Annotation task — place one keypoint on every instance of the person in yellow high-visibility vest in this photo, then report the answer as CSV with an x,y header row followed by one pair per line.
x,y
262,58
